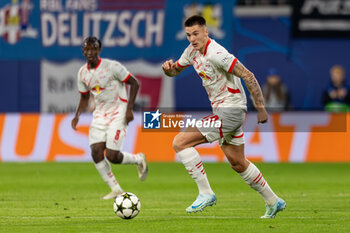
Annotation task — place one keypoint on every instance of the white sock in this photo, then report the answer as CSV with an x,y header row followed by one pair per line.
x,y
131,158
104,168
193,163
253,177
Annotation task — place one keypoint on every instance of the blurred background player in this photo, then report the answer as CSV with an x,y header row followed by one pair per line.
x,y
105,80
219,71
336,96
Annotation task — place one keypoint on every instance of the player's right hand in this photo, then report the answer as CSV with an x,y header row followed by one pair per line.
x,y
75,122
262,116
169,66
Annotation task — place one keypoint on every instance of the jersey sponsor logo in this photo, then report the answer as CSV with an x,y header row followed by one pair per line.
x,y
14,21
204,76
98,89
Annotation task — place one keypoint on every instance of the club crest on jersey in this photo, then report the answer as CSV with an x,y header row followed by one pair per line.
x,y
204,76
98,89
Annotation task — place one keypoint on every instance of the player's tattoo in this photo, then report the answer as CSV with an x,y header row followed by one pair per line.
x,y
174,72
178,70
250,81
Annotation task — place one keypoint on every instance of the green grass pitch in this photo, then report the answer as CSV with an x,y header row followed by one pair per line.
x,y
64,197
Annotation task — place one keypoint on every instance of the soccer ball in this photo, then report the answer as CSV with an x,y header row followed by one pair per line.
x,y
127,205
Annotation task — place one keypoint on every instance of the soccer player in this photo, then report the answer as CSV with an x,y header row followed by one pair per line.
x,y
105,80
220,72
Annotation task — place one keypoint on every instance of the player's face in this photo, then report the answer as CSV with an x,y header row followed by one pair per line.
x,y
91,52
198,36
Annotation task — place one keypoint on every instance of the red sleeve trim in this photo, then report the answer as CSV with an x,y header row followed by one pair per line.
x,y
178,64
124,100
232,65
234,91
84,92
238,136
127,78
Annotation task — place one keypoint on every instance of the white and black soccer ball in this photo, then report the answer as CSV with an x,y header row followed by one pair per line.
x,y
127,205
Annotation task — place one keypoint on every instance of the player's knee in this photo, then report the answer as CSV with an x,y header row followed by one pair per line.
x,y
178,144
238,165
97,154
114,156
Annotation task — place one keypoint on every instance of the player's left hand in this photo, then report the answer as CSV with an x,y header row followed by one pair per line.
x,y
75,122
262,116
129,116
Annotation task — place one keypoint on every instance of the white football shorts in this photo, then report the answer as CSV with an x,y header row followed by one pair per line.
x,y
230,129
113,134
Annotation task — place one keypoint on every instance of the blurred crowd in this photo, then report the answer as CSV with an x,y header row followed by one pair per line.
x,y
335,96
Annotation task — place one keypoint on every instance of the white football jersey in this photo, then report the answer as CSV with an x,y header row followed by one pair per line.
x,y
215,67
107,83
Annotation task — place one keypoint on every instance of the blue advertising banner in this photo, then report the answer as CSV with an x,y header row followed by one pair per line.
x,y
151,29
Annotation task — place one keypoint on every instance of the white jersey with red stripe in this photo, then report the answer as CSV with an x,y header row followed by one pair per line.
x,y
107,84
215,67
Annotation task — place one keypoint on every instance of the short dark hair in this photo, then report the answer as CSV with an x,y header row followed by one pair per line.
x,y
195,20
92,40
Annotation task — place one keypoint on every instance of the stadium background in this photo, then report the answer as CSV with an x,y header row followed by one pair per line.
x,y
40,55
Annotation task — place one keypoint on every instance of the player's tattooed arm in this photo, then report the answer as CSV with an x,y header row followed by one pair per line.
x,y
251,83
253,87
171,69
